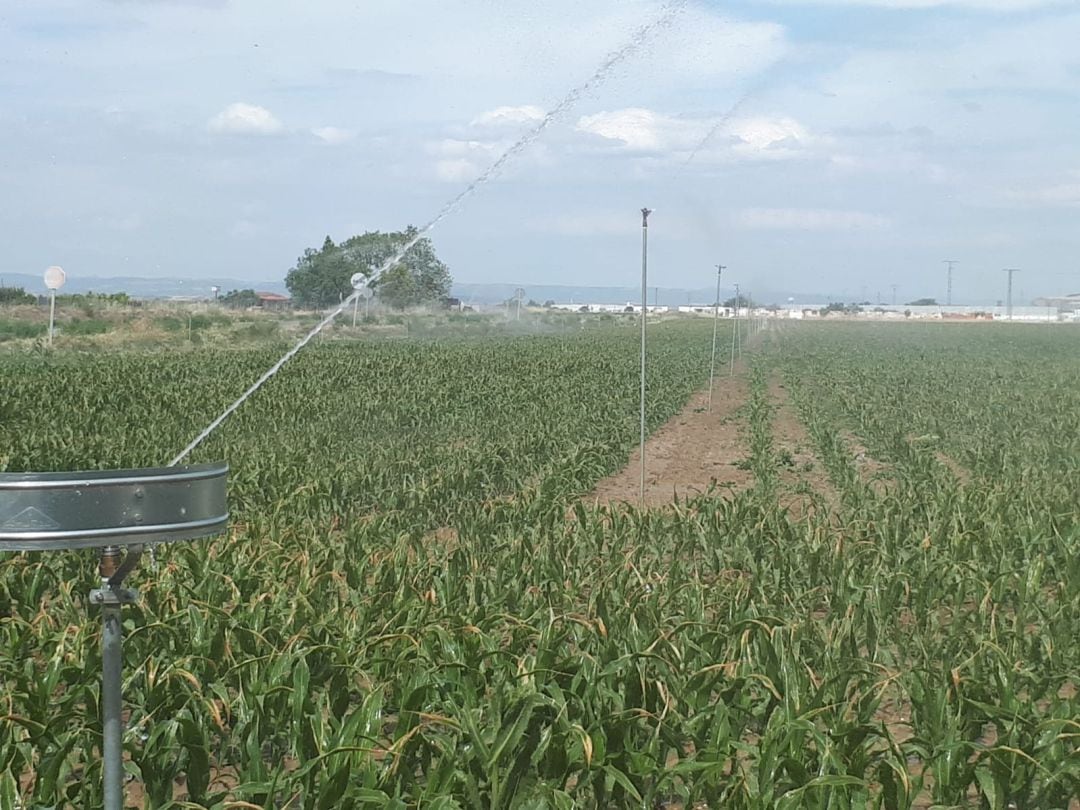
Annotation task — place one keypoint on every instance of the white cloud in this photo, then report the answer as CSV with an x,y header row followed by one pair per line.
x,y
974,5
510,116
333,135
809,219
240,118
770,137
456,170
590,223
126,222
643,130
759,137
245,229
1054,195
458,160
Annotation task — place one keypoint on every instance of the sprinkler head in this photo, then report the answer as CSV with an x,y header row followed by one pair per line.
x,y
109,562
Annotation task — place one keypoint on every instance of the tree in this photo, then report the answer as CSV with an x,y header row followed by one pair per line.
x,y
740,302
15,295
239,299
922,302
837,306
321,277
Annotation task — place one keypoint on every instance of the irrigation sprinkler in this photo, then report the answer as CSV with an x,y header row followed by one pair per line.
x,y
54,280
519,296
644,317
734,332
358,281
117,512
715,323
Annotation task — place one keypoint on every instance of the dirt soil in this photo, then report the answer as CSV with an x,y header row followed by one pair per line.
x,y
694,450
803,475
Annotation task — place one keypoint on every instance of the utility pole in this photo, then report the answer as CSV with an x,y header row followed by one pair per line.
x,y
644,316
948,289
1008,297
715,322
893,294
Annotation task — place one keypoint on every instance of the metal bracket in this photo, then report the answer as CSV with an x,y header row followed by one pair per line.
x,y
113,596
131,559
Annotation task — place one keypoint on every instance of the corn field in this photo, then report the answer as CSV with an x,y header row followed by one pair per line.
x,y
415,607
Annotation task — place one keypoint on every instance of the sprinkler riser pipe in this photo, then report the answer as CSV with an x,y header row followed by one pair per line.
x,y
112,728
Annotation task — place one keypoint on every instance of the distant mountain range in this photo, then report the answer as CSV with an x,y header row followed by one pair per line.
x,y
660,296
141,287
474,294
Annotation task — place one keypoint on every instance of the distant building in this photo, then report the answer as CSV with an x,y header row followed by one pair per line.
x,y
272,301
1062,303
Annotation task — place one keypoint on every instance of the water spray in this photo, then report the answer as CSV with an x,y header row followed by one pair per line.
x,y
667,14
719,124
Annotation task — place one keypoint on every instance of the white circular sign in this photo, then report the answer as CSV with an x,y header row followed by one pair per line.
x,y
55,278
366,292
358,281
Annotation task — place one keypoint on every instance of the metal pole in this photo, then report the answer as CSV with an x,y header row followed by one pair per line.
x,y
738,320
948,289
715,323
1008,299
355,310
644,317
112,748
110,597
52,313
734,330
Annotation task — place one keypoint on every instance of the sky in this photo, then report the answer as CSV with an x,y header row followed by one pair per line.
x,y
818,146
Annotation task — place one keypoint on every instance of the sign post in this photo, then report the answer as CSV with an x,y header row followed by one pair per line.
x,y
54,280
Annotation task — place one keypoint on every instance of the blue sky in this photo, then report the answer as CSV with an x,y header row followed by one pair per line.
x,y
870,139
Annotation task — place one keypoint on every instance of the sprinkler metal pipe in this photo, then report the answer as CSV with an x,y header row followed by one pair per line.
x,y
112,745
735,331
644,317
113,567
715,322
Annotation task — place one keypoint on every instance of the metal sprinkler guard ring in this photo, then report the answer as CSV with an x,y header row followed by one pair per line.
x,y
108,509
70,510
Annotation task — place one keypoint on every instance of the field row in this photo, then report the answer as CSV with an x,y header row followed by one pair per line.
x,y
413,608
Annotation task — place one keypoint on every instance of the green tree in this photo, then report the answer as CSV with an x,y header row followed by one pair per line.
x,y
321,277
239,299
741,302
15,295
922,302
